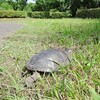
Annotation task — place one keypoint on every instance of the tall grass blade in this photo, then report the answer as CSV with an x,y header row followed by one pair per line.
x,y
12,79
94,94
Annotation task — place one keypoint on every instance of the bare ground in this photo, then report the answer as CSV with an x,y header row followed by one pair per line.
x,y
8,28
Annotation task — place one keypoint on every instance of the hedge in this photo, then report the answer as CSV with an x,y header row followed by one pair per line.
x,y
44,14
57,14
88,13
60,15
40,14
12,14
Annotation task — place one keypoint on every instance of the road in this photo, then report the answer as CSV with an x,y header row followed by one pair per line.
x,y
8,28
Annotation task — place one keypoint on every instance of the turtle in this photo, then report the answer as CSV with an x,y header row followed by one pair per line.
x,y
47,61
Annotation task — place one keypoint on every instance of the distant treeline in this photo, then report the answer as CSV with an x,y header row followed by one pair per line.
x,y
67,6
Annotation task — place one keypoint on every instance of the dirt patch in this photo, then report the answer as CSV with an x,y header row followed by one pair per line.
x,y
8,28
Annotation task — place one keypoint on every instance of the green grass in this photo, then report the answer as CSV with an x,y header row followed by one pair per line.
x,y
78,81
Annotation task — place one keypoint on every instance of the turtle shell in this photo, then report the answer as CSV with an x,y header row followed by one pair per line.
x,y
49,60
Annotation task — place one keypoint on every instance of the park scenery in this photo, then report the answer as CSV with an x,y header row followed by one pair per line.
x,y
49,49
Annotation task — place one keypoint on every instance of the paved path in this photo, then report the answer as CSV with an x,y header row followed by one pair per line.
x,y
8,28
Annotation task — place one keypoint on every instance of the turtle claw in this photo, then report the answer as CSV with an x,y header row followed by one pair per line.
x,y
24,73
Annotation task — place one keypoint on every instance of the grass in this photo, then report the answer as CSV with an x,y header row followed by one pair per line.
x,y
80,80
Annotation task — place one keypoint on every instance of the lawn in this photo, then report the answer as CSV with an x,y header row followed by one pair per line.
x,y
80,80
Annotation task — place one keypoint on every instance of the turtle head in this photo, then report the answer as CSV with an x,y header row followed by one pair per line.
x,y
69,52
29,66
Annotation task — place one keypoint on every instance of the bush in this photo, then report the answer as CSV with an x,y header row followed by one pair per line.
x,y
53,10
12,14
44,14
57,14
40,14
60,15
88,13
29,14
68,14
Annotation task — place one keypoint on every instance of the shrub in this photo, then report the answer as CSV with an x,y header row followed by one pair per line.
x,y
68,14
53,10
60,15
57,14
12,14
88,13
40,14
45,14
29,14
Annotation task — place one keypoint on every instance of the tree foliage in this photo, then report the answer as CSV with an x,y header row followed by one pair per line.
x,y
75,4
49,5
17,4
46,5
30,7
6,6
64,5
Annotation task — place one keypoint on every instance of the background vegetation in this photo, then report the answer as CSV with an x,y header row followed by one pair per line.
x,y
89,13
69,7
12,14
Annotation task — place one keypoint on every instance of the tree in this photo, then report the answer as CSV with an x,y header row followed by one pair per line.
x,y
30,7
2,1
22,4
13,4
64,5
17,4
6,6
75,4
46,5
89,3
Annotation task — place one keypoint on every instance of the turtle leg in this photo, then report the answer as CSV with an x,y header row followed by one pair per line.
x,y
30,80
24,73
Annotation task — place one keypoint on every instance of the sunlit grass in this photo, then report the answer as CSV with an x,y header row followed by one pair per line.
x,y
79,81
